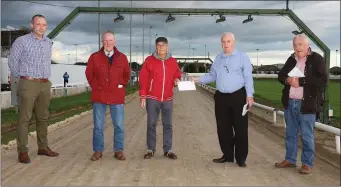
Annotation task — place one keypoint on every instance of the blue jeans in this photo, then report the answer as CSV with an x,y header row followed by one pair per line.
x,y
296,121
117,116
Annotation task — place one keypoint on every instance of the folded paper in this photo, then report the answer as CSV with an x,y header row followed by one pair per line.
x,y
295,72
186,85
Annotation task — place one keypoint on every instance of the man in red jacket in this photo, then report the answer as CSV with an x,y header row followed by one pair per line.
x,y
159,74
108,73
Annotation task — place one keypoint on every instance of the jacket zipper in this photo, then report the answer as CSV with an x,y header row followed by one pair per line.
x,y
151,85
164,79
109,66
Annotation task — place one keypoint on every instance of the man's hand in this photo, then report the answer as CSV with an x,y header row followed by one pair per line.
x,y
250,101
143,102
176,81
293,81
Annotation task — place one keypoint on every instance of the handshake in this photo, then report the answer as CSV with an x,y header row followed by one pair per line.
x,y
195,79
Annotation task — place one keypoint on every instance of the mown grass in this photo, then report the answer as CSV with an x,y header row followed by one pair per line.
x,y
60,109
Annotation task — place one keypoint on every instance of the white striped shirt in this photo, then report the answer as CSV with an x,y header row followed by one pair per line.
x,y
30,56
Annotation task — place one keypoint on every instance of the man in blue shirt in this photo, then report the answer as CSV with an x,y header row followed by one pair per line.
x,y
232,72
66,78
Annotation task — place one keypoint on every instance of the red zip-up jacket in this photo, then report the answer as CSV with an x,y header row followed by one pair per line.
x,y
105,79
157,77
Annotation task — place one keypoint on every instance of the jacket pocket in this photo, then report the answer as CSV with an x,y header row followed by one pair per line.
x,y
151,85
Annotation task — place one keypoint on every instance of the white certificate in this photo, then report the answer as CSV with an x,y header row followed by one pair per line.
x,y
295,72
245,109
186,85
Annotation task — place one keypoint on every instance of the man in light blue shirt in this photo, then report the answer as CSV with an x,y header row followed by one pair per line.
x,y
232,72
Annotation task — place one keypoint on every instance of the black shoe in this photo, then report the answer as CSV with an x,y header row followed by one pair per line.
x,y
241,164
221,160
149,155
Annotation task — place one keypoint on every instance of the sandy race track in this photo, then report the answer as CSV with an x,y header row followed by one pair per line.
x,y
194,141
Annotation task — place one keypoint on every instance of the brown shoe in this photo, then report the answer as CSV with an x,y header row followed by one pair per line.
x,y
170,155
24,158
285,164
305,169
96,156
47,152
119,155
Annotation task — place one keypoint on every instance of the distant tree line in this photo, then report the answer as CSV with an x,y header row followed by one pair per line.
x,y
194,67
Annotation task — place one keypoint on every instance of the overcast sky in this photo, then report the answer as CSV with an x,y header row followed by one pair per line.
x,y
271,35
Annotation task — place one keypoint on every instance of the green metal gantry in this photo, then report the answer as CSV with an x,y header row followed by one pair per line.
x,y
192,11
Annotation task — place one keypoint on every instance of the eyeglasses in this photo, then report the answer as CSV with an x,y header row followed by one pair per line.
x,y
227,69
161,45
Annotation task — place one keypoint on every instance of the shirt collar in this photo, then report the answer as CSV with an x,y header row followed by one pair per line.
x,y
35,37
110,53
234,53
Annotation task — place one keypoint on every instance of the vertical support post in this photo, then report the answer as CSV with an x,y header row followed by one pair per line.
x,y
143,39
274,116
285,125
99,26
131,17
325,90
65,91
337,143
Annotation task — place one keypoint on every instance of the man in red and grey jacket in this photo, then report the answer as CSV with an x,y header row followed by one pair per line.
x,y
160,73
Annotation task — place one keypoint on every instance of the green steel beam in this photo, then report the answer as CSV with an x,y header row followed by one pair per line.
x,y
195,59
175,11
326,52
183,11
64,23
190,11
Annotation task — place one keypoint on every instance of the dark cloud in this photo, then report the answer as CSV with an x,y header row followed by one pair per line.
x,y
264,33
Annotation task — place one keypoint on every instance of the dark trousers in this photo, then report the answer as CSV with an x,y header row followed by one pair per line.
x,y
232,127
153,111
66,82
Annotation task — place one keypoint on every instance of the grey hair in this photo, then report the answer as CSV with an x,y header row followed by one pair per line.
x,y
228,33
304,37
108,32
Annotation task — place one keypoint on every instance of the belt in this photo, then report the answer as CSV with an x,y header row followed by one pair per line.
x,y
233,93
34,79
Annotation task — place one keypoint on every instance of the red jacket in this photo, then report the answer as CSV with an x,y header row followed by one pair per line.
x,y
157,77
105,78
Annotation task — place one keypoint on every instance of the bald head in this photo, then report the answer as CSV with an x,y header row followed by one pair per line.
x,y
227,34
227,42
302,37
301,45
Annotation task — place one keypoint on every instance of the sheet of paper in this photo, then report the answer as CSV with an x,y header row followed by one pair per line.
x,y
295,72
245,109
186,85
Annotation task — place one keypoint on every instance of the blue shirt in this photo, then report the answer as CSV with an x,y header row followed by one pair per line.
x,y
231,73
31,57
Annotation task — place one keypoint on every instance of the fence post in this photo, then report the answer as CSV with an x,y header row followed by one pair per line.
x,y
65,92
274,116
337,143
